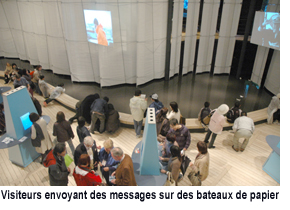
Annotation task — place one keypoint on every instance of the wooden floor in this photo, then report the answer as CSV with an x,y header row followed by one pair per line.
x,y
227,167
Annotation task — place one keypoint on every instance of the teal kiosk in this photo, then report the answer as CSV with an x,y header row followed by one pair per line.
x,y
145,155
18,105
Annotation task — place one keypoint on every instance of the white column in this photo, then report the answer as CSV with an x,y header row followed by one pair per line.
x,y
227,36
207,35
190,36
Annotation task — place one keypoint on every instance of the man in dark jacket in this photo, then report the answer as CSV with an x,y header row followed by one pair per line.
x,y
155,103
182,134
88,147
57,170
99,109
83,108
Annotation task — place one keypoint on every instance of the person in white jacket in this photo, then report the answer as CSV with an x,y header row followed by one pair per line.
x,y
138,105
274,109
243,128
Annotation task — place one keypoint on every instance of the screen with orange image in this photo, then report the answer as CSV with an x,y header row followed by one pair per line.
x,y
99,27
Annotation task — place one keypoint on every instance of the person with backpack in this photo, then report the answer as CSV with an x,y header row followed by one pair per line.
x,y
203,113
234,113
57,170
39,135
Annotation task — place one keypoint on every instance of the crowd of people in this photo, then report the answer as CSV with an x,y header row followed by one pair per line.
x,y
116,168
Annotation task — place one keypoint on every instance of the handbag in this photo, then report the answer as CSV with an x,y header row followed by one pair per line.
x,y
207,118
184,164
170,181
182,120
194,178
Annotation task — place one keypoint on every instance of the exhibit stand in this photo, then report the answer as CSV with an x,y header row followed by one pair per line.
x,y
18,105
145,155
272,164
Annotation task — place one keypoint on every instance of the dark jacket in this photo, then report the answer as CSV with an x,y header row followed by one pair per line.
x,y
110,161
37,106
174,166
57,170
81,149
100,106
62,131
183,137
163,127
85,107
112,121
82,133
157,105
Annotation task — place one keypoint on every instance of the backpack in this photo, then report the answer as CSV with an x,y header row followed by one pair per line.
x,y
233,114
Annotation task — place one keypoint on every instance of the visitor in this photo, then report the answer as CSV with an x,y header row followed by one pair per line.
x,y
124,175
82,130
83,108
26,75
200,167
138,105
164,151
7,73
234,113
39,133
43,87
21,81
83,174
175,112
57,170
162,124
62,130
155,103
112,119
274,109
35,78
2,120
204,112
88,147
174,164
182,134
244,128
216,124
107,163
57,91
99,109
37,105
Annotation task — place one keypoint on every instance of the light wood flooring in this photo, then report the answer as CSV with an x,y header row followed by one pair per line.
x,y
227,167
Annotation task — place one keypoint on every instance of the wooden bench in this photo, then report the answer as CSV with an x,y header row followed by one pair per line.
x,y
258,116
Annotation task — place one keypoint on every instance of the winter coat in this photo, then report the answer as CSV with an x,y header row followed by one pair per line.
x,y
86,178
201,165
85,107
157,105
57,170
46,143
138,106
112,121
183,137
62,131
216,123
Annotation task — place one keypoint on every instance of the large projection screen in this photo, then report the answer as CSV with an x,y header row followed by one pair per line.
x,y
266,30
99,27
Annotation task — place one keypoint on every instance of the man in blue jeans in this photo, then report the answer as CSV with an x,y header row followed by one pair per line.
x,y
99,109
138,105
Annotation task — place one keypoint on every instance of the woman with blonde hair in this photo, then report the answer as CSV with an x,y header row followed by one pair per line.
x,y
107,163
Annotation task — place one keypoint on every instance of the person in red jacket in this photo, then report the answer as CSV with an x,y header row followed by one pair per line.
x,y
83,175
